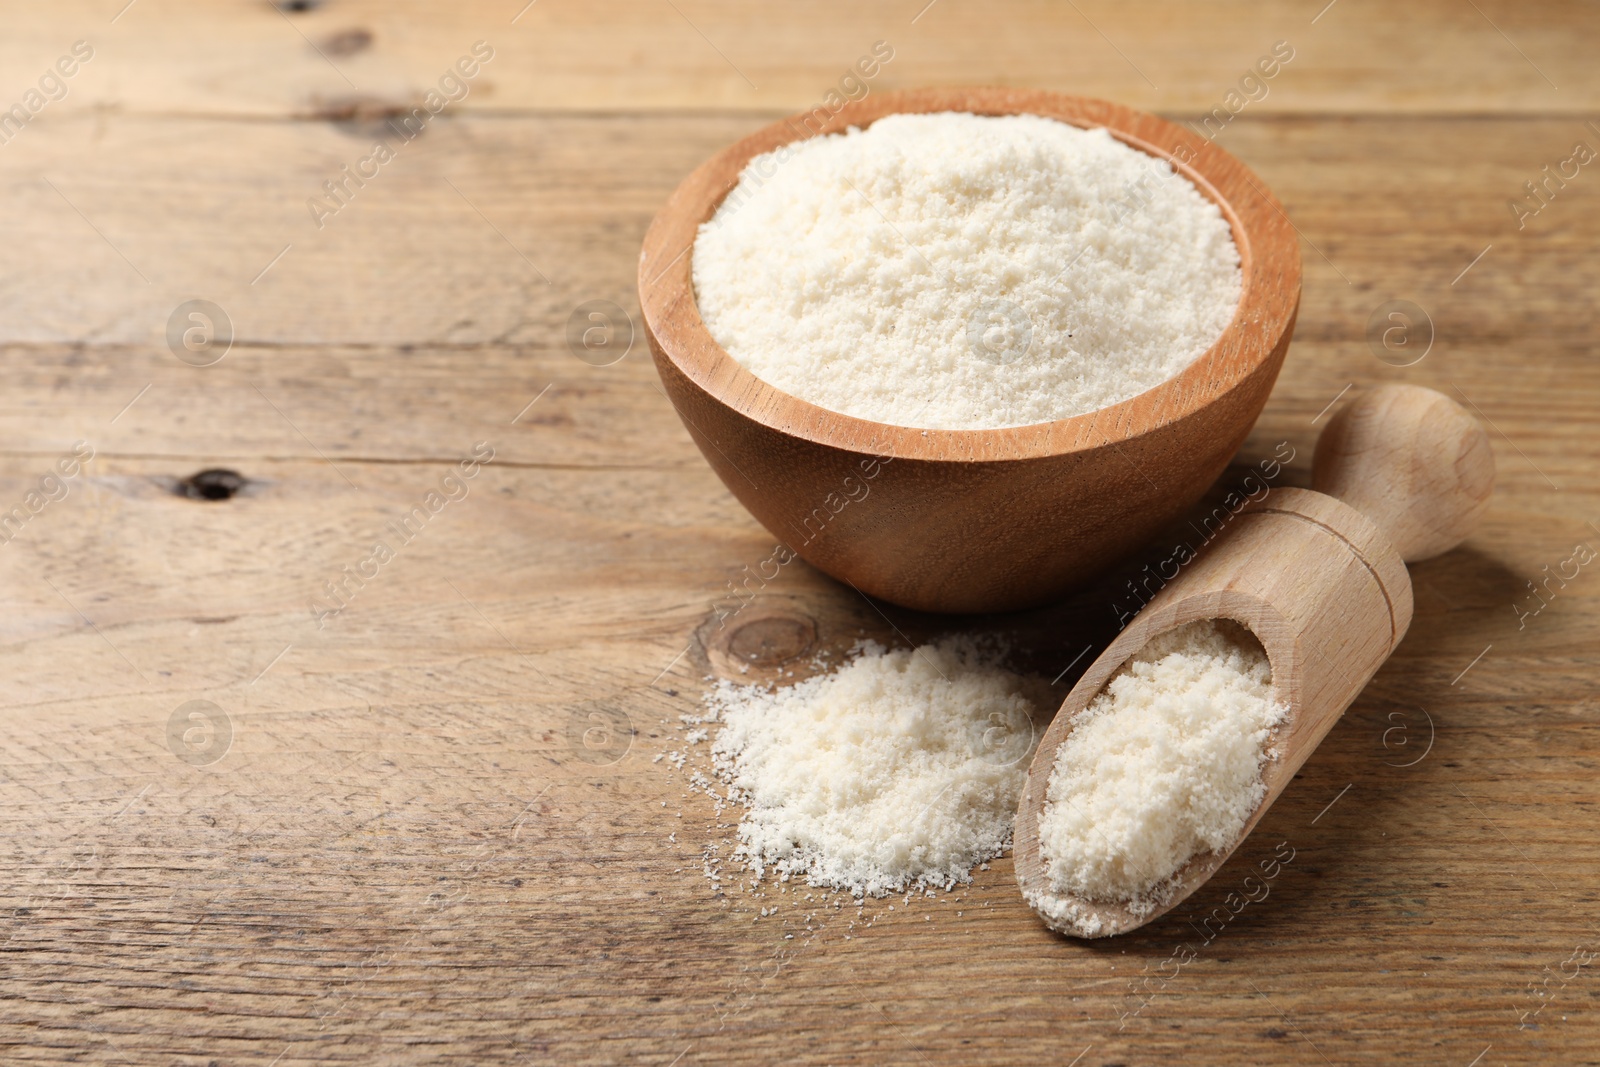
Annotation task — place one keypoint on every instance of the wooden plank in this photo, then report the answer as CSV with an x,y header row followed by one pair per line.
x,y
428,332
192,58
451,244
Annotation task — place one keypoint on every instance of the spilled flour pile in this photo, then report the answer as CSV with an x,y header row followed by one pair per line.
x,y
1164,764
901,769
957,271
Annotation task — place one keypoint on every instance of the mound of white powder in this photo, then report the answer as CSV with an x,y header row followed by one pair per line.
x,y
900,769
955,271
1164,764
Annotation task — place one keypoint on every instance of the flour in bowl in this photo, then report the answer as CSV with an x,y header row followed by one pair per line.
x,y
956,271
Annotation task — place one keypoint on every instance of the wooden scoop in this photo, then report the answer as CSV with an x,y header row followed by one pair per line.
x,y
1401,473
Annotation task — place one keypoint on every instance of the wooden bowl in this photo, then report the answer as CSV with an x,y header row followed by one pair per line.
x,y
974,520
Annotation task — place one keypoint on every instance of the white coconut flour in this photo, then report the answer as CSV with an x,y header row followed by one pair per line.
x,y
954,271
901,769
1164,764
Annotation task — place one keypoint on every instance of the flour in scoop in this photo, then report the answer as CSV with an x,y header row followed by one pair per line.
x,y
956,271
901,769
1163,765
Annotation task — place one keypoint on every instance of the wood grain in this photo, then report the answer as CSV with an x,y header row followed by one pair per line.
x,y
353,57
409,855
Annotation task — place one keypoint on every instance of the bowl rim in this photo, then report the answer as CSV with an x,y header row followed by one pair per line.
x,y
1267,241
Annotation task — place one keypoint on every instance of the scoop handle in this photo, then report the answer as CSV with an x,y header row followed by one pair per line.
x,y
1413,461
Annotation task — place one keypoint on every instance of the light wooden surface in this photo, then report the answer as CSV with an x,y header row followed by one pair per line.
x,y
193,58
404,855
970,520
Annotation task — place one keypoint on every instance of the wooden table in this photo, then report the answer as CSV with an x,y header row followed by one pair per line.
x,y
429,827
